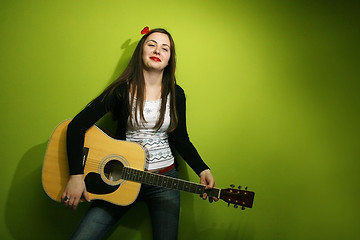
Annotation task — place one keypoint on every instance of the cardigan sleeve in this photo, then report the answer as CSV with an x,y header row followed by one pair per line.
x,y
76,133
181,138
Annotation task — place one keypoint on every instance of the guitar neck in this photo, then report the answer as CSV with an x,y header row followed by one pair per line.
x,y
167,182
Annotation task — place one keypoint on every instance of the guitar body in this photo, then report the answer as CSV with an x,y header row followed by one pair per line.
x,y
104,158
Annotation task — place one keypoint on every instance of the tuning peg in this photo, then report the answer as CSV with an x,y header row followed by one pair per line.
x,y
246,188
239,187
232,185
228,204
236,206
242,208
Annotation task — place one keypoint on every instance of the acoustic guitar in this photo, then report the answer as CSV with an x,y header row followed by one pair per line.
x,y
114,171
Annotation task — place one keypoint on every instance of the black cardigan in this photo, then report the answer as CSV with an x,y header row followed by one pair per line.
x,y
97,109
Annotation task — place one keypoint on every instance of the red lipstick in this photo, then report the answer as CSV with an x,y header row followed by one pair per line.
x,y
155,59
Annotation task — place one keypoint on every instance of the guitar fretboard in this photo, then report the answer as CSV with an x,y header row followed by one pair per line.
x,y
166,181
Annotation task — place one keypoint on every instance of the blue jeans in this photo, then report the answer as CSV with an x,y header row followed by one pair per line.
x,y
163,204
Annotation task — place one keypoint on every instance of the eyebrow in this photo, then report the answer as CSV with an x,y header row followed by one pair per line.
x,y
164,44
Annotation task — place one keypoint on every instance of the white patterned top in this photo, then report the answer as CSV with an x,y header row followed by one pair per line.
x,y
155,143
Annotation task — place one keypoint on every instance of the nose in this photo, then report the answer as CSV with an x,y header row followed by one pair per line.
x,y
156,51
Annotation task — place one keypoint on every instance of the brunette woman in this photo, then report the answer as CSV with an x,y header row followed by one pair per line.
x,y
150,109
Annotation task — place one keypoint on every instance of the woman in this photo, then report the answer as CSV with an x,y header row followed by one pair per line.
x,y
149,108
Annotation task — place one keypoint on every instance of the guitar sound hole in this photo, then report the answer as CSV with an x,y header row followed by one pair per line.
x,y
113,170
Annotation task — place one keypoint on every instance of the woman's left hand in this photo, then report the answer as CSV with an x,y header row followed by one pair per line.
x,y
207,179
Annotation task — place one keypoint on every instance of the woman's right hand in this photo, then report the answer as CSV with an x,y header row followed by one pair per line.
x,y
74,191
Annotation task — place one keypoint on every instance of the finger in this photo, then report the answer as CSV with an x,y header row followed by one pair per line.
x,y
67,203
63,197
68,200
86,196
204,196
71,203
65,200
75,204
211,183
209,186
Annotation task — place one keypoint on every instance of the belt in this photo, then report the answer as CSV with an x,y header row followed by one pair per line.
x,y
164,170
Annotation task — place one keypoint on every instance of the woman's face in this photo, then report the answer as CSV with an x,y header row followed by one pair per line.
x,y
156,52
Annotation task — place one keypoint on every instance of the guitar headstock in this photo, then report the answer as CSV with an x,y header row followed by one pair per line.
x,y
237,197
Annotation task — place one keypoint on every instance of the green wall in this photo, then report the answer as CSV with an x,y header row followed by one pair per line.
x,y
273,103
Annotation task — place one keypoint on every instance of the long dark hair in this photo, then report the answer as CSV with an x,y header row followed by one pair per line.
x,y
134,78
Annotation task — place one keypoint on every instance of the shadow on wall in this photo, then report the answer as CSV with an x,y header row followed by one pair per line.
x,y
31,213
128,49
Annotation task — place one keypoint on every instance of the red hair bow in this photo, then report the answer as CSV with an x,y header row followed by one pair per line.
x,y
145,31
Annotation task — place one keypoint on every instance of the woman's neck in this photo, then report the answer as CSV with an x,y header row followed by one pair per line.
x,y
153,84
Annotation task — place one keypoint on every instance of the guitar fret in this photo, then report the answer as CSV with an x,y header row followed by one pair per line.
x,y
161,180
158,180
125,174
181,185
193,188
143,177
131,174
175,184
171,183
186,187
155,180
151,179
136,176
140,176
